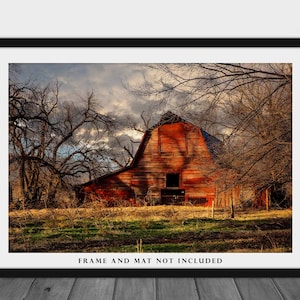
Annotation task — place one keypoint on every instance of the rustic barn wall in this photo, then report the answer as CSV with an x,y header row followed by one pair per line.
x,y
173,164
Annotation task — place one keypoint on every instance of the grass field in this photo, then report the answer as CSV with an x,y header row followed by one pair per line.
x,y
149,229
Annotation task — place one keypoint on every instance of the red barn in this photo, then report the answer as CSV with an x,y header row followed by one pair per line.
x,y
174,164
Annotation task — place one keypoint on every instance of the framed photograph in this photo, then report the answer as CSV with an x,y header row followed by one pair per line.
x,y
149,157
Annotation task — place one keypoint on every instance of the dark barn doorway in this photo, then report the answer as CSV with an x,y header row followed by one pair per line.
x,y
172,194
172,180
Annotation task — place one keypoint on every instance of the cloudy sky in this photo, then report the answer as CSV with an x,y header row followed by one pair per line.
x,y
105,80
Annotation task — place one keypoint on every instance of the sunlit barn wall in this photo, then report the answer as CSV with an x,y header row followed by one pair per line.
x,y
173,165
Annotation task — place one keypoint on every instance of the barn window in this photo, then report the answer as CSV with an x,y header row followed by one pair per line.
x,y
172,180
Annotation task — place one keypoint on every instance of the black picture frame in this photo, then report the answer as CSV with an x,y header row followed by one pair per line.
x,y
150,43
147,273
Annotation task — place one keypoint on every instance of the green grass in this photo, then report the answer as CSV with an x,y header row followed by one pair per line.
x,y
161,229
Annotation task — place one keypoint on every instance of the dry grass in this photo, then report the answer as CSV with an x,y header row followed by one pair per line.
x,y
154,213
149,229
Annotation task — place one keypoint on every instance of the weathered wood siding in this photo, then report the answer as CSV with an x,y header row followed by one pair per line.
x,y
162,288
177,148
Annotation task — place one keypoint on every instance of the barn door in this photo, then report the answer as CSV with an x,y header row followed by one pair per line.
x,y
172,194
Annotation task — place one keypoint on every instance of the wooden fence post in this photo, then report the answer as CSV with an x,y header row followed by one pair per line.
x,y
267,199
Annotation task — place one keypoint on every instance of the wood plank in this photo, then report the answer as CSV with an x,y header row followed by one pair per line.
x,y
177,288
50,288
257,288
14,288
145,288
217,289
93,288
135,288
289,287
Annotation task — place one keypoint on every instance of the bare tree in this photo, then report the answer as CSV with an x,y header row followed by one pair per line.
x,y
53,143
248,106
